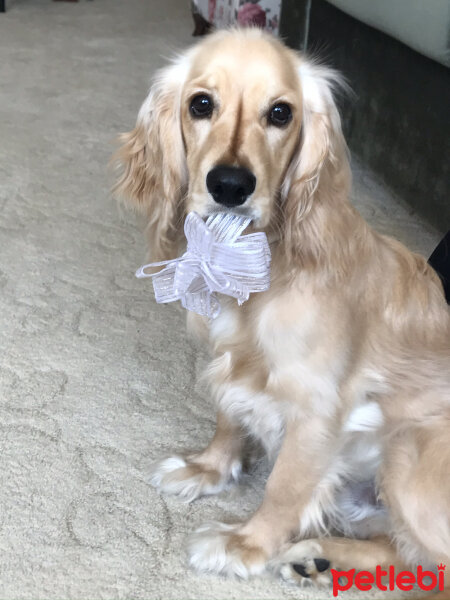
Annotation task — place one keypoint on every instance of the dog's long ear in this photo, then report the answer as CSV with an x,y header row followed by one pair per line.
x,y
319,168
151,159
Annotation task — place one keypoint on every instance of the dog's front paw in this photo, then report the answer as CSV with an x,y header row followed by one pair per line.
x,y
219,548
188,479
303,564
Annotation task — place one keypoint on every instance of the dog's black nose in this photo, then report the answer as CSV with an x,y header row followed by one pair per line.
x,y
230,186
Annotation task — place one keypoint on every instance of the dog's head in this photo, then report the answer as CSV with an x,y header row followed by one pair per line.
x,y
238,123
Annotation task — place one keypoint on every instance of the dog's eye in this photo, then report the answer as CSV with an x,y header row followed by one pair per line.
x,y
201,106
280,115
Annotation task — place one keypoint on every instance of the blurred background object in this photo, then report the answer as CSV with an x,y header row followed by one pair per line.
x,y
254,13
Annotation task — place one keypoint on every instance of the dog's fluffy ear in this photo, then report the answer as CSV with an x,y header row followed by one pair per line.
x,y
151,159
320,166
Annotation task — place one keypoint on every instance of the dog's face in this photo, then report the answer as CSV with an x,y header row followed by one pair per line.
x,y
241,114
237,123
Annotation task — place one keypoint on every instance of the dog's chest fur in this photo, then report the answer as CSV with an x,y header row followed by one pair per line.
x,y
302,375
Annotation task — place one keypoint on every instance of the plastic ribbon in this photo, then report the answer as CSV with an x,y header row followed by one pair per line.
x,y
218,259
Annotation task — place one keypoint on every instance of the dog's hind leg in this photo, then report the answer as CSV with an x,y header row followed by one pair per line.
x,y
311,561
415,486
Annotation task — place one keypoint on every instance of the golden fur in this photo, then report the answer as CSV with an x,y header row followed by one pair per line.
x,y
342,368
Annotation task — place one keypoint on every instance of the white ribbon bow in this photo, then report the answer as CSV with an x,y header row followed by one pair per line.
x,y
218,259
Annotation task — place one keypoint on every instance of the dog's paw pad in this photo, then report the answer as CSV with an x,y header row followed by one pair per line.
x,y
310,572
302,565
322,564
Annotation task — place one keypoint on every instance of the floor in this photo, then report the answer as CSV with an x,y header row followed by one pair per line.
x,y
96,380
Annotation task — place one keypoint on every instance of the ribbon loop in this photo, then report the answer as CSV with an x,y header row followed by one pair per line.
x,y
218,259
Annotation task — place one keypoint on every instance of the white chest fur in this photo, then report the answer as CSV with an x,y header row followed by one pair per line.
x,y
259,413
299,360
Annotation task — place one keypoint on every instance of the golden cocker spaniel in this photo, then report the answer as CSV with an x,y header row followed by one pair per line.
x,y
341,370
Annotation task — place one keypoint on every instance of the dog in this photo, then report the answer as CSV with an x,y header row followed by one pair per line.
x,y
341,370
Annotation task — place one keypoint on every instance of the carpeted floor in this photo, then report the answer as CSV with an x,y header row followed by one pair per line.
x,y
97,381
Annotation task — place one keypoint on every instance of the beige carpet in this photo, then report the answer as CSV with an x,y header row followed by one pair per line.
x,y
97,381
